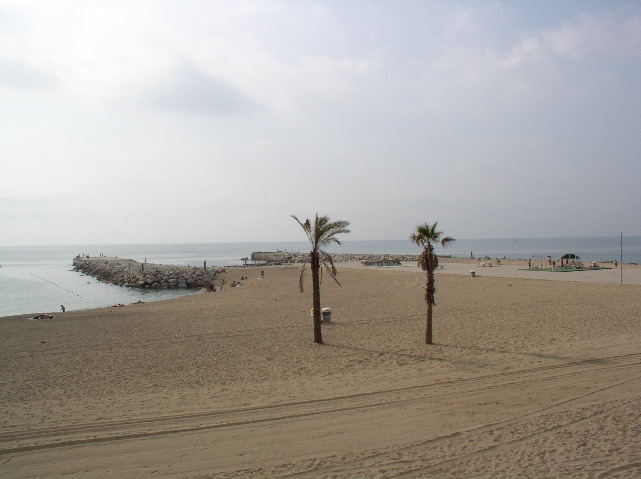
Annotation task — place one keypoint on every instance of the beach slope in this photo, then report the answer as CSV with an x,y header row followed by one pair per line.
x,y
528,378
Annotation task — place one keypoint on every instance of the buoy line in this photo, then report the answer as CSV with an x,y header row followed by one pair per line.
x,y
55,284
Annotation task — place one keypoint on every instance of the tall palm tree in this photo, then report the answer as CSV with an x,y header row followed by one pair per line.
x,y
426,236
320,233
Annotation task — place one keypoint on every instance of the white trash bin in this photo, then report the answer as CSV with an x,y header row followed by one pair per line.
x,y
326,315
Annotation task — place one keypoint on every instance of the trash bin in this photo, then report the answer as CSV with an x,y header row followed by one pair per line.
x,y
473,273
326,314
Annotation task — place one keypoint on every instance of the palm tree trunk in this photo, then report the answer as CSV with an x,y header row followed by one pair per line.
x,y
429,285
428,326
316,302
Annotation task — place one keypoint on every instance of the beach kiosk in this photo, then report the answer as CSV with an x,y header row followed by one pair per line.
x,y
567,257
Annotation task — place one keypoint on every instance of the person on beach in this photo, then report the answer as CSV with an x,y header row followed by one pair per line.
x,y
262,274
62,308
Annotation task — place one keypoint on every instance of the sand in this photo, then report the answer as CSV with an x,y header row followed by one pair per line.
x,y
530,376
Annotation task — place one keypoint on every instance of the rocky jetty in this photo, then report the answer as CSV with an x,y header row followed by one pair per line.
x,y
363,258
133,274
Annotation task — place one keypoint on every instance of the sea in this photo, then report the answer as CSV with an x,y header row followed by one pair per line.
x,y
39,279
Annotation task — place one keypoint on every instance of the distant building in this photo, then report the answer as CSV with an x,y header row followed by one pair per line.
x,y
272,256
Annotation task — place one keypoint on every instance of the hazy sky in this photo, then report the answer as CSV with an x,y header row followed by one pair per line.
x,y
205,121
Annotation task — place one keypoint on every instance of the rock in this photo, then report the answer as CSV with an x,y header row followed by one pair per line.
x,y
129,273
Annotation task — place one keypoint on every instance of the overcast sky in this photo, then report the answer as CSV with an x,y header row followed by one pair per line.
x,y
206,121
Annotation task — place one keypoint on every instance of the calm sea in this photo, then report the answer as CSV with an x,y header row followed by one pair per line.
x,y
40,279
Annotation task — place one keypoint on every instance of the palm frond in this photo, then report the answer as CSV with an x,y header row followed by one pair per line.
x,y
426,236
322,232
328,263
326,230
301,280
307,228
447,240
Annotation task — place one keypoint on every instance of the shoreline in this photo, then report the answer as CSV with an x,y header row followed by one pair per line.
x,y
459,266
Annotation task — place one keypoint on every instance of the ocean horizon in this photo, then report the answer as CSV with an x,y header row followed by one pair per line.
x,y
36,279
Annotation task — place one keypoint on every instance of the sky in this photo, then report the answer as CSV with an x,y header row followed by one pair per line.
x,y
214,121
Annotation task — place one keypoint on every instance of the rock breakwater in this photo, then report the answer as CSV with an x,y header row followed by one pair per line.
x,y
363,258
133,274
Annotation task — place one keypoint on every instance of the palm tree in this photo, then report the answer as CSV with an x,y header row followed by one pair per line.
x,y
320,233
426,236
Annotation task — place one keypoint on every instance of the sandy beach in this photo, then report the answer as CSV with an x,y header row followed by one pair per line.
x,y
531,375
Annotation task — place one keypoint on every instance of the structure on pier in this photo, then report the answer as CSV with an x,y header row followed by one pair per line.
x,y
270,256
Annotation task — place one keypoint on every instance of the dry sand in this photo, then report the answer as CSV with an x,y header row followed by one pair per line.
x,y
528,378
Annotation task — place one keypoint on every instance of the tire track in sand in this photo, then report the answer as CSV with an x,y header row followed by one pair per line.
x,y
20,441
